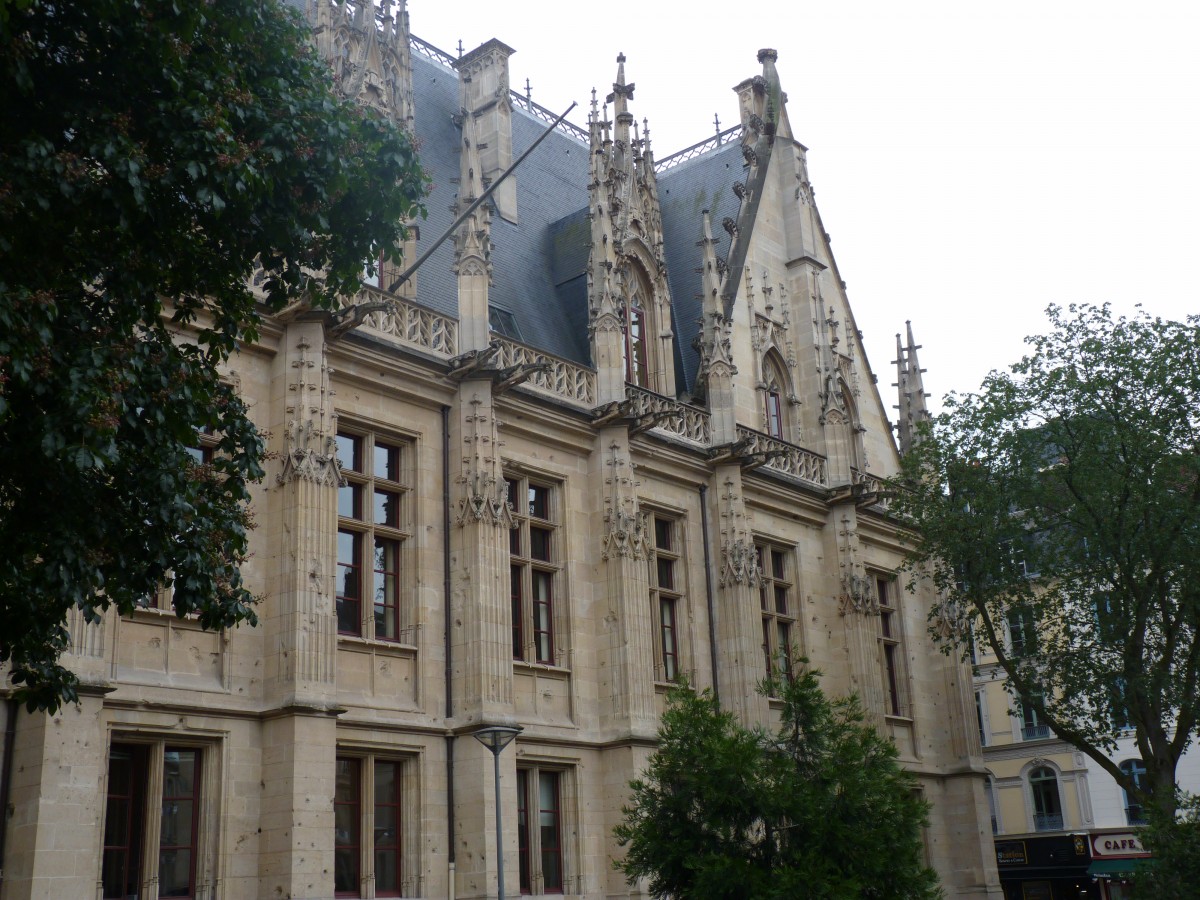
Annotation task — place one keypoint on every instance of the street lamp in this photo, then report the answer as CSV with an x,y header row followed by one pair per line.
x,y
496,738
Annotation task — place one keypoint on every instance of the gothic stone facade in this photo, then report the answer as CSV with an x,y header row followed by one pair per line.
x,y
619,430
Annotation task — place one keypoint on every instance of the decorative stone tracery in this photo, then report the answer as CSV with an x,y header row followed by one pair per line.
x,y
309,451
484,497
624,522
739,564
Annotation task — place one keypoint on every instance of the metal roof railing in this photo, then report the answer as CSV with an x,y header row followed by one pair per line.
x,y
720,139
429,51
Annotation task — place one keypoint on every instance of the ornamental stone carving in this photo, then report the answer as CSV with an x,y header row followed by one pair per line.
x,y
624,522
484,498
309,451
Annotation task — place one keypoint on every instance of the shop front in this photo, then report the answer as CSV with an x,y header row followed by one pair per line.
x,y
1051,867
1116,858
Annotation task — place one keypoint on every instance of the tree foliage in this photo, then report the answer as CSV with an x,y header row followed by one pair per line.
x,y
1060,503
1175,842
152,153
819,809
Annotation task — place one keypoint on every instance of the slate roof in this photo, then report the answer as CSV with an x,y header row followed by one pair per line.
x,y
684,192
551,196
540,264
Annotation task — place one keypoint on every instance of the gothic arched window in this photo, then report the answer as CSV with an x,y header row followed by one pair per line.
x,y
775,396
636,349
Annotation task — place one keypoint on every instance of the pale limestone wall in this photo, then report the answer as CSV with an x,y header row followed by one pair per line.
x,y
271,708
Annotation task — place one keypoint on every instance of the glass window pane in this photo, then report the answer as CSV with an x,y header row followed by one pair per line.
x,y
179,772
348,451
387,588
539,543
387,509
387,462
781,600
662,534
175,872
666,573
350,501
539,501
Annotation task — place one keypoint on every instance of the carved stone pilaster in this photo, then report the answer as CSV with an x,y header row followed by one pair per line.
x,y
483,493
857,591
624,523
301,624
738,562
740,662
309,452
626,654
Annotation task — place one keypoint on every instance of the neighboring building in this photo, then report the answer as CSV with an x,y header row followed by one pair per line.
x,y
597,444
1063,826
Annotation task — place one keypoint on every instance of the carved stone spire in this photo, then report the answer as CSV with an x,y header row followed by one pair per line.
x,y
472,245
911,387
484,93
368,50
761,100
627,267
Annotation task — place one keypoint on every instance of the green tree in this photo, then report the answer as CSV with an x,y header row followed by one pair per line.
x,y
1057,510
820,809
153,153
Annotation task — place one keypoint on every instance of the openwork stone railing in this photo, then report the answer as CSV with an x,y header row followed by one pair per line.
x,y
783,456
407,322
565,379
688,422
871,484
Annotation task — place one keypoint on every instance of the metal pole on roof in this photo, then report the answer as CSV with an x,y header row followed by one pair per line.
x,y
408,273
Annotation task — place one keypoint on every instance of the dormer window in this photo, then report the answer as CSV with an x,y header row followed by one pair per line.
x,y
774,391
636,351
503,322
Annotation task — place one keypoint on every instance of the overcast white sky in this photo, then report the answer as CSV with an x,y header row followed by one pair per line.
x,y
972,161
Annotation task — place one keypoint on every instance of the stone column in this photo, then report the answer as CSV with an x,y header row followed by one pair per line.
x,y
300,622
627,648
858,606
481,635
740,663
55,833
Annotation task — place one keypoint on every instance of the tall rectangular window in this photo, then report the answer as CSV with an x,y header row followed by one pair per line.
x,y
141,776
372,530
367,838
776,589
1022,631
534,554
666,596
891,648
1032,726
539,831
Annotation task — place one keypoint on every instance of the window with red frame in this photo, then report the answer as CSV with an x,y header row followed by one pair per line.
x,y
539,831
368,823
533,553
133,853
777,607
666,596
372,532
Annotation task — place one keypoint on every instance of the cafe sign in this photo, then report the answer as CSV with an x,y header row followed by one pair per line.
x,y
1119,845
